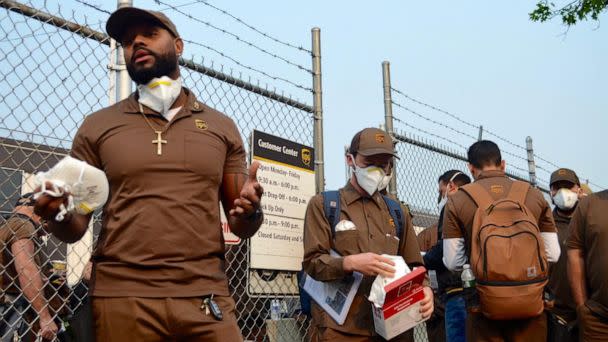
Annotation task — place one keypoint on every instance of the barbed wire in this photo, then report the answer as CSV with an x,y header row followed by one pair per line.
x,y
543,169
95,7
454,130
545,160
595,184
224,55
276,78
456,117
432,121
276,40
429,133
235,36
503,151
182,5
27,36
558,167
434,108
513,166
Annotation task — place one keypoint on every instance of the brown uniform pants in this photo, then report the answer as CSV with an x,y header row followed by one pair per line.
x,y
591,327
134,319
482,329
329,334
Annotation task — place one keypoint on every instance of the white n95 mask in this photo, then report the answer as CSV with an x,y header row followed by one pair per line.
x,y
385,181
565,199
444,198
369,178
86,185
160,93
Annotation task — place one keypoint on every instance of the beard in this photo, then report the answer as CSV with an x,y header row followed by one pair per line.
x,y
164,65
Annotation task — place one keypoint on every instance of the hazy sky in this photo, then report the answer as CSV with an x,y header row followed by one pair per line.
x,y
485,62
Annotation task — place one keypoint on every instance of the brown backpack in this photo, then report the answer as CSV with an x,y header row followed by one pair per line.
x,y
507,254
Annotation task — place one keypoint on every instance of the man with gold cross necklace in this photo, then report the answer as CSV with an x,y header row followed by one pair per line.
x,y
159,265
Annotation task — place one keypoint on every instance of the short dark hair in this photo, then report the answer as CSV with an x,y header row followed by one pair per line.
x,y
354,144
460,179
484,153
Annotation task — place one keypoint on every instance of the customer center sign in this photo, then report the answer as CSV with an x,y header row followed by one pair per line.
x,y
287,175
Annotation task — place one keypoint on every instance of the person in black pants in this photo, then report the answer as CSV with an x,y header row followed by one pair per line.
x,y
449,284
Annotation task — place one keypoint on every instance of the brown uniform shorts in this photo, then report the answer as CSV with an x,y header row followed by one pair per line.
x,y
163,319
591,327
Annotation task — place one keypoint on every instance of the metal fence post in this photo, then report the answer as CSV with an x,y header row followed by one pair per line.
x,y
531,164
112,73
123,82
318,109
388,118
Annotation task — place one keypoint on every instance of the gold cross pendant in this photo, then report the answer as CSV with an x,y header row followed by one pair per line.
x,y
159,141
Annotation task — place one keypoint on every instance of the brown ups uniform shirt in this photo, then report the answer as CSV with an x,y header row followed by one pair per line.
x,y
16,228
558,283
460,209
373,233
589,233
427,238
161,233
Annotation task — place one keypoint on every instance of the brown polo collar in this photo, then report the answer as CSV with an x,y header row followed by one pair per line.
x,y
490,174
131,106
351,195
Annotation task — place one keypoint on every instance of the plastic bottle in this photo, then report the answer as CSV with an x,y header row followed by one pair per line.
x,y
275,310
468,287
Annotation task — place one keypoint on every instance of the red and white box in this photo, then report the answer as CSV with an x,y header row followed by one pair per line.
x,y
401,309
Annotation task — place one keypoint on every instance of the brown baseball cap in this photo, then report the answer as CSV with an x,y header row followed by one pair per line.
x,y
564,174
371,141
119,21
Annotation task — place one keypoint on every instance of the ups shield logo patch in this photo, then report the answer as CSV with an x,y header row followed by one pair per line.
x,y
306,156
497,189
201,124
379,138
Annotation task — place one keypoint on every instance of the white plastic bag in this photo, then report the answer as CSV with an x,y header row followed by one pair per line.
x,y
86,185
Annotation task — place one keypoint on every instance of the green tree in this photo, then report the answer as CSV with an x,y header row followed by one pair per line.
x,y
570,13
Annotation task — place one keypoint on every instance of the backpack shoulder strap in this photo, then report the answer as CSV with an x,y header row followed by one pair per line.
x,y
479,194
519,191
394,209
331,208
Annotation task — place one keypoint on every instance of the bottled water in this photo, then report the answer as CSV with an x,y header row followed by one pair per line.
x,y
275,310
468,287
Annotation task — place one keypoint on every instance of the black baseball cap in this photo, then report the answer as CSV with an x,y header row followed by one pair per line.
x,y
119,21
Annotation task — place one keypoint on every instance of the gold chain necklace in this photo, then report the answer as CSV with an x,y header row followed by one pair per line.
x,y
159,133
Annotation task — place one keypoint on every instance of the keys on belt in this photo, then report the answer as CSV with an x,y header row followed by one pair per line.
x,y
211,307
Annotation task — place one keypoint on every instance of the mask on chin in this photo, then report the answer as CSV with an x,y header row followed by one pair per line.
x,y
565,199
160,93
369,178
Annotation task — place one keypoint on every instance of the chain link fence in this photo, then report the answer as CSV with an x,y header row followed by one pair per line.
x,y
53,73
